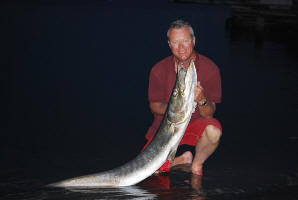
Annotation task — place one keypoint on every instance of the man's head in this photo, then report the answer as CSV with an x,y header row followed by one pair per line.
x,y
181,40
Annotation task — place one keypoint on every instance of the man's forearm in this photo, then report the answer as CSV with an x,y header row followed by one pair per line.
x,y
158,108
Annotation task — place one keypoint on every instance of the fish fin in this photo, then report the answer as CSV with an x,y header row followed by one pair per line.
x,y
172,154
171,127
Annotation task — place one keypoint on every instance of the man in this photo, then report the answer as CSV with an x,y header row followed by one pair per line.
x,y
203,131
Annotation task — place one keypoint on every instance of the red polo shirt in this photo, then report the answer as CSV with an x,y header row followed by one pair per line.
x,y
162,81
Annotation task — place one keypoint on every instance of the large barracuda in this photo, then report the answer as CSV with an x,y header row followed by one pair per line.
x,y
163,146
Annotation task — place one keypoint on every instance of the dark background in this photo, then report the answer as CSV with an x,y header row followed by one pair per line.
x,y
74,80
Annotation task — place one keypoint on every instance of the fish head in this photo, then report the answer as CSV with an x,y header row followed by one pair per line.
x,y
182,98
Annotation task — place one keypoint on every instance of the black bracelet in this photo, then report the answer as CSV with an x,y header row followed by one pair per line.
x,y
204,103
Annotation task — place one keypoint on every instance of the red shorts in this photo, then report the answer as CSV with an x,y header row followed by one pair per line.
x,y
192,134
194,131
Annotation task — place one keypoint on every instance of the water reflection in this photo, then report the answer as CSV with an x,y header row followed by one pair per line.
x,y
179,184
219,182
131,192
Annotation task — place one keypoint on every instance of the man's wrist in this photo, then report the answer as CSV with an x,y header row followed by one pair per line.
x,y
203,102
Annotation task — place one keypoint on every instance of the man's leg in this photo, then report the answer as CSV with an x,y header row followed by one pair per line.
x,y
205,147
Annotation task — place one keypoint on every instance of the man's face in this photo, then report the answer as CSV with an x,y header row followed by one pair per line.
x,y
181,43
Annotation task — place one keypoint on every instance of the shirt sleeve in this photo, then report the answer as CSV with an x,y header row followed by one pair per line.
x,y
213,86
156,90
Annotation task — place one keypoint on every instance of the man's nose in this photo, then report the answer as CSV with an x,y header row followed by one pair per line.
x,y
180,45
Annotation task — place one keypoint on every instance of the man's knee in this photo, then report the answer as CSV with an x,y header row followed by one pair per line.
x,y
213,134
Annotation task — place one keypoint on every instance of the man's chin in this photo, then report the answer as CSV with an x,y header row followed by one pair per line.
x,y
183,58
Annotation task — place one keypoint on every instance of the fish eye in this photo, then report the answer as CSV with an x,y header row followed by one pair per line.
x,y
175,93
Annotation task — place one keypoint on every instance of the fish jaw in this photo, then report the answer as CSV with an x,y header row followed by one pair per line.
x,y
182,98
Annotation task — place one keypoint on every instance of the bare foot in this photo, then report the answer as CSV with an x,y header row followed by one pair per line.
x,y
185,158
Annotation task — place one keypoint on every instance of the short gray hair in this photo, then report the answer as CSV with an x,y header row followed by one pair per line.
x,y
180,24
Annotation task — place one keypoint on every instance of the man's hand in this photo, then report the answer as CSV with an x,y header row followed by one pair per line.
x,y
206,107
199,93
